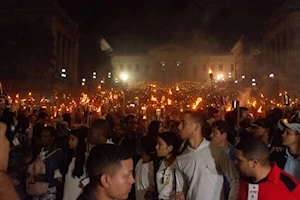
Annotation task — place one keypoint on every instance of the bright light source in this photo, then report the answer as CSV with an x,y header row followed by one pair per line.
x,y
83,80
83,83
102,81
63,70
271,75
220,77
94,73
253,84
253,80
236,81
116,80
124,77
94,77
64,75
243,77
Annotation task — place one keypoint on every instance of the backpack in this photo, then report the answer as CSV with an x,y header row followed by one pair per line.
x,y
37,167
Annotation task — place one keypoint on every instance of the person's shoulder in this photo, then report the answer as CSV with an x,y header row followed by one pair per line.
x,y
289,181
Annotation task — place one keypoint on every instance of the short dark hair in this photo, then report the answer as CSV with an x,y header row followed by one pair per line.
x,y
171,138
50,129
254,148
105,159
42,115
224,127
195,117
128,117
102,124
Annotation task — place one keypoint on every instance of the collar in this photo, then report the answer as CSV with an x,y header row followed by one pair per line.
x,y
288,154
204,143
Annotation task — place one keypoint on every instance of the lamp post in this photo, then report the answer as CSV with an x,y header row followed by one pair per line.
x,y
211,76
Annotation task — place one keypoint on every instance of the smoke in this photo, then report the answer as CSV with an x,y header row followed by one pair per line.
x,y
244,96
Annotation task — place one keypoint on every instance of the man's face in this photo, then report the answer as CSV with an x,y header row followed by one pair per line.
x,y
244,114
121,182
290,137
258,131
186,127
216,136
132,124
96,136
243,164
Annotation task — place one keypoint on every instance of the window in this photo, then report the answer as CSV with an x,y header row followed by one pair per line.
x,y
137,68
129,68
220,67
232,67
204,67
212,67
195,71
121,67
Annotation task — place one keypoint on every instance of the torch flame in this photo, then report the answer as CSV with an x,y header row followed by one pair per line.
x,y
153,98
259,109
209,71
99,109
169,101
229,109
195,105
177,88
170,92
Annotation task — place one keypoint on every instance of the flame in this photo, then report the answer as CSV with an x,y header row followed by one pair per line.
x,y
259,109
254,103
229,109
42,99
17,96
209,71
144,117
153,98
29,93
143,108
170,92
99,87
99,109
169,101
195,105
262,95
177,88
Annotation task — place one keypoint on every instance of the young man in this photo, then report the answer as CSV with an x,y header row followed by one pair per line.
x,y
262,129
204,164
288,158
265,181
110,169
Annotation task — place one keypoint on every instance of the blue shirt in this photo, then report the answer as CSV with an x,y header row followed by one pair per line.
x,y
292,165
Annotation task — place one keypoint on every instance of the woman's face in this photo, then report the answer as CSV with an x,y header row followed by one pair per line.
x,y
73,141
162,149
160,128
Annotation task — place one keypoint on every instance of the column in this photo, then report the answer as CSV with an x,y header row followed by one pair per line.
x,y
75,59
59,52
65,57
70,61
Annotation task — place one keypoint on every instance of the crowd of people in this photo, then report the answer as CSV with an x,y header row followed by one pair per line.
x,y
194,155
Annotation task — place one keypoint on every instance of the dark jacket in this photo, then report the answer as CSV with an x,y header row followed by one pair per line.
x,y
279,157
87,194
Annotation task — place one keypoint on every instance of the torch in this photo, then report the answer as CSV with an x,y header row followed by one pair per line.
x,y
211,76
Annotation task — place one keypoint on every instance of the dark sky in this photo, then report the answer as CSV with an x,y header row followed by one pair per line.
x,y
137,25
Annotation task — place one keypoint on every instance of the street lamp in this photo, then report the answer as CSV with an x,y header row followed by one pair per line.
x,y
63,73
83,80
94,75
124,77
271,75
109,75
243,77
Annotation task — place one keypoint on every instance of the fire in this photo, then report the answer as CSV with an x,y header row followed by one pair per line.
x,y
143,108
170,92
99,109
229,109
29,94
209,71
195,105
262,95
177,88
259,109
169,101
17,96
153,98
144,117
254,103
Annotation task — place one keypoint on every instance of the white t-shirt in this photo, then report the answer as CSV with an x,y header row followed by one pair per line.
x,y
203,170
166,182
71,187
144,178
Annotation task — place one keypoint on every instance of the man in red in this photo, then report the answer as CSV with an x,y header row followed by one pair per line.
x,y
263,180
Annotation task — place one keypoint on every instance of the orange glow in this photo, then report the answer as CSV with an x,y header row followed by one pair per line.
x,y
17,96
143,108
99,109
153,98
170,92
259,110
195,105
177,88
209,71
228,109
29,93
144,117
254,103
262,95
169,101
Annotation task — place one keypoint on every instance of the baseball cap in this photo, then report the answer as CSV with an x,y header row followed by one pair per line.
x,y
263,122
282,124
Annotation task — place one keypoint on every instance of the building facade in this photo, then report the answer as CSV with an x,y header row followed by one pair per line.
x,y
65,47
281,42
172,62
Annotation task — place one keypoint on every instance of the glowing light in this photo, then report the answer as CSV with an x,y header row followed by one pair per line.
x,y
144,117
195,105
209,71
153,98
220,77
124,77
236,81
63,70
29,94
229,109
169,102
262,95
99,109
243,77
170,92
271,76
177,88
259,109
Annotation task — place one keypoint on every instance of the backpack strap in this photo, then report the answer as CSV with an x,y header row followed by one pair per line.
x,y
53,152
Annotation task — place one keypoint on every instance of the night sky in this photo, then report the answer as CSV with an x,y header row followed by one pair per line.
x,y
134,26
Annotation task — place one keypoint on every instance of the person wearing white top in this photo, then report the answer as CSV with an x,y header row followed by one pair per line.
x,y
144,170
76,165
168,180
203,164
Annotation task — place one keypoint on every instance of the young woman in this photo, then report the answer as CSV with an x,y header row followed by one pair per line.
x,y
75,162
168,180
52,157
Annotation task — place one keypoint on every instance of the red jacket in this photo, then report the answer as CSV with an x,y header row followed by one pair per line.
x,y
277,186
